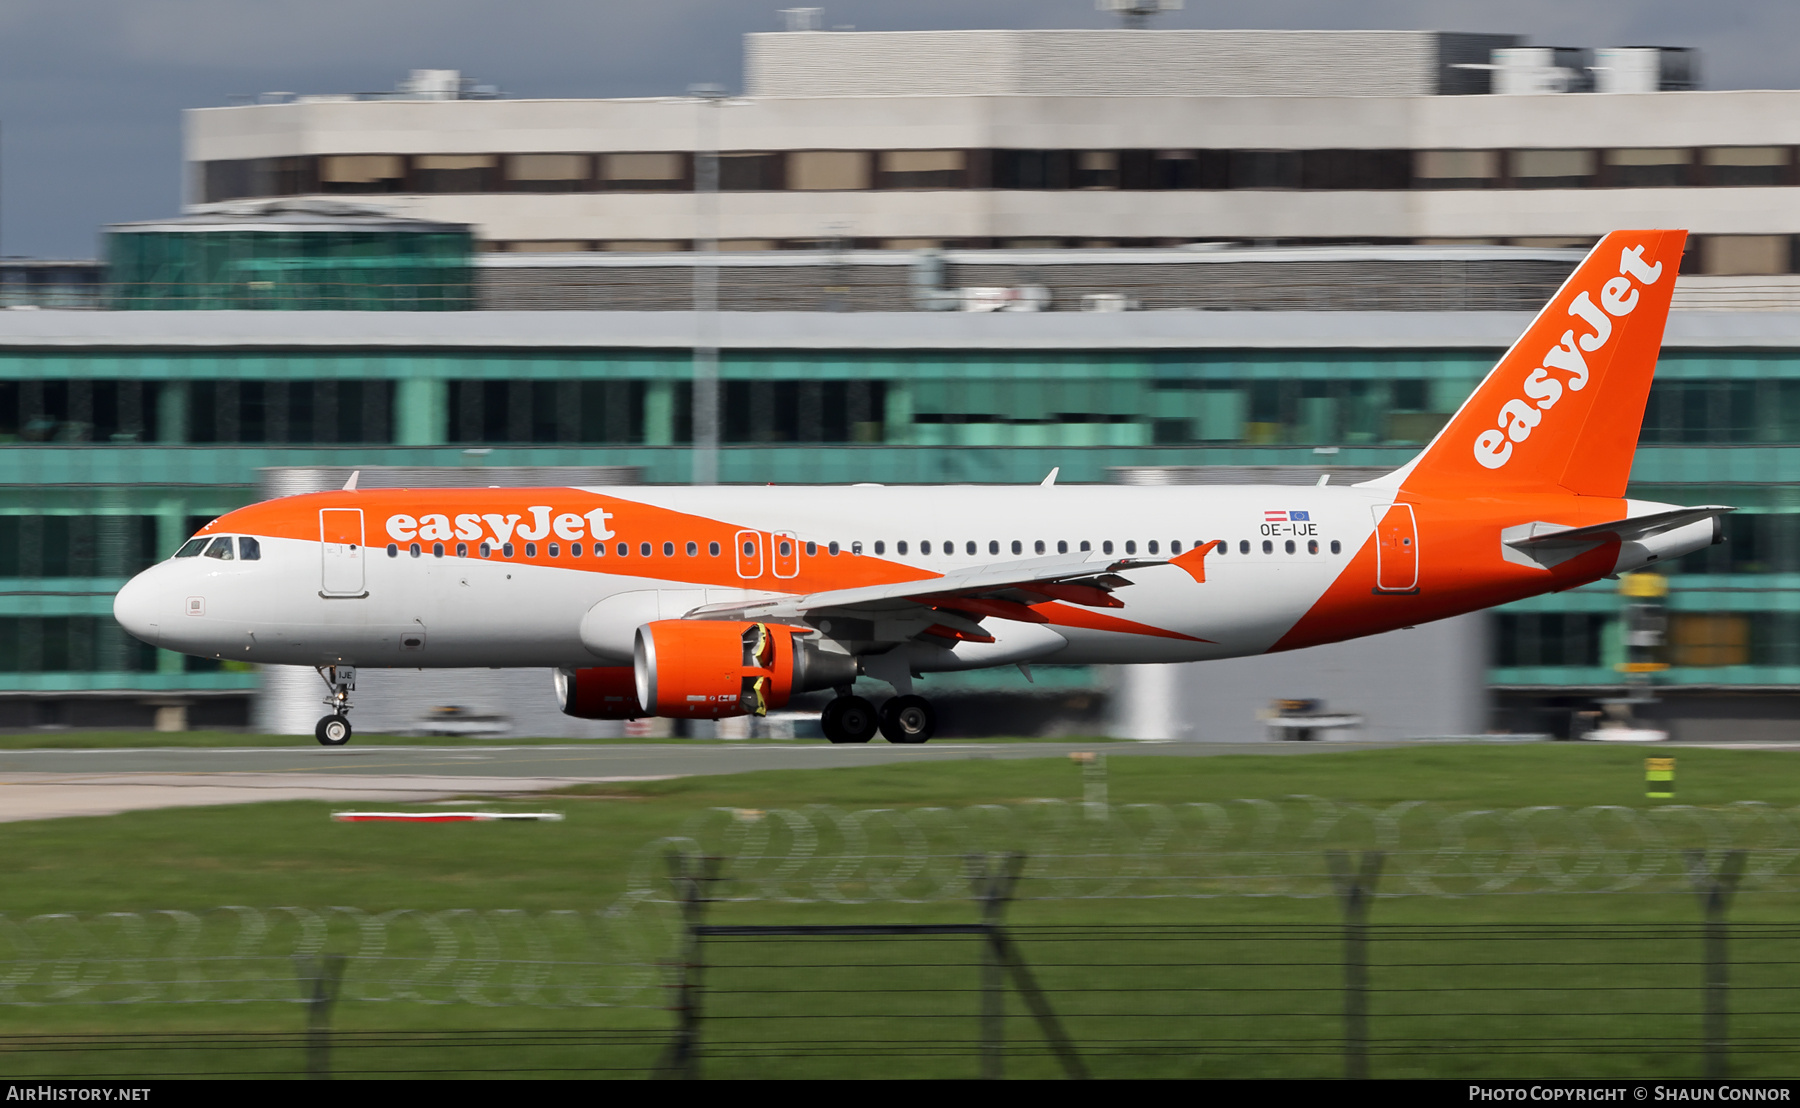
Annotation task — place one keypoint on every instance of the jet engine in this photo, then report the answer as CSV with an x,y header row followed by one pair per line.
x,y
602,692
699,669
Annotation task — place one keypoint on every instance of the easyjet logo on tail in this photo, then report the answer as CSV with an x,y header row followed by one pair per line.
x,y
1564,366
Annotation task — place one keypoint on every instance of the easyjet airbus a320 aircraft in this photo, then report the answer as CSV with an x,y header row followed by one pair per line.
x,y
699,603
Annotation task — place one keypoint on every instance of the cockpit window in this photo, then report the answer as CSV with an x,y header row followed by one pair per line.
x,y
191,548
249,550
221,549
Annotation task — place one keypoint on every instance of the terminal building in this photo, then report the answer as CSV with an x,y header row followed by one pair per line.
x,y
1328,239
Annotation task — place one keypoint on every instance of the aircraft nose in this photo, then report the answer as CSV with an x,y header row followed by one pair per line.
x,y
135,609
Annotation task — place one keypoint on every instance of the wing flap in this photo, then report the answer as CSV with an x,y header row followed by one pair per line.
x,y
946,590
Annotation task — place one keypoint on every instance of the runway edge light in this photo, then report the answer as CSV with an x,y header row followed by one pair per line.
x,y
1659,778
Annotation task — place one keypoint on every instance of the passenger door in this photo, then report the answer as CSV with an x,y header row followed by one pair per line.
x,y
341,552
1396,549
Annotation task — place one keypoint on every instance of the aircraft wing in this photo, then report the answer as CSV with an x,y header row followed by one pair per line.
x,y
1625,530
1003,590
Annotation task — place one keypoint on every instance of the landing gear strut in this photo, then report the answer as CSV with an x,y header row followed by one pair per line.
x,y
334,729
908,719
849,719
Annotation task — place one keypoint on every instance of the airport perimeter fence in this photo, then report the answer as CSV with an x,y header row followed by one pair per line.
x,y
783,944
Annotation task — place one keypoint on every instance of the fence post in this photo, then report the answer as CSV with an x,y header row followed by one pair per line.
x,y
1714,888
1354,888
320,978
993,886
689,876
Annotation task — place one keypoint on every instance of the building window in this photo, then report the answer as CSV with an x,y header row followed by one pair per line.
x,y
1746,254
1096,169
1648,168
1456,169
455,173
1552,169
922,169
751,172
644,172
1746,166
362,173
549,172
827,170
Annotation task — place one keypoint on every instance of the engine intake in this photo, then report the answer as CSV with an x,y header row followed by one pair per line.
x,y
694,669
602,692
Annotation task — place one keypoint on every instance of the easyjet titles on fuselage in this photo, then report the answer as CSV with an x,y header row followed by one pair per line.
x,y
542,522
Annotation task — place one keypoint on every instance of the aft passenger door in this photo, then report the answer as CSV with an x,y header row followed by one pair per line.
x,y
1396,549
341,552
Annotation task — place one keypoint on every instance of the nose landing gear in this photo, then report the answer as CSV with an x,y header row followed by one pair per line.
x,y
334,729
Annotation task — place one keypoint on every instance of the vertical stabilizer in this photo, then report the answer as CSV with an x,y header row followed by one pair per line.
x,y
1562,409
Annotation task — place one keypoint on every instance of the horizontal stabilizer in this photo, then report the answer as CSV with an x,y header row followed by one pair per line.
x,y
1540,535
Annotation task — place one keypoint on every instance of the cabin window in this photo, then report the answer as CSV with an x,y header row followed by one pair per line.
x,y
394,551
1062,546
1290,546
221,549
812,550
437,550
249,549
1312,546
484,550
668,550
1243,546
713,549
1018,547
1131,546
414,550
1152,547
1106,547
1174,546
462,550
899,547
624,550
506,550
1268,547
1038,546
969,547
693,550
1336,546
831,548
643,550
574,550
924,547
1086,546
531,550
786,548
555,550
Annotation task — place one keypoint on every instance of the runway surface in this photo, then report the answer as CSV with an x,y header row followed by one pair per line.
x,y
44,784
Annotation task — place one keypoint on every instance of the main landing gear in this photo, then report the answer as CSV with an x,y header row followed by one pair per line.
x,y
904,719
334,729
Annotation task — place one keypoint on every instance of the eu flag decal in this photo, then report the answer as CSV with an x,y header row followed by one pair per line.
x,y
1298,517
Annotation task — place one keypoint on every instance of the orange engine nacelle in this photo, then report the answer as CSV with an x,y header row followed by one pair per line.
x,y
691,669
603,692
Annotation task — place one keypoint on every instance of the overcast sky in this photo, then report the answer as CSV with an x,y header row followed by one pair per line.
x,y
91,91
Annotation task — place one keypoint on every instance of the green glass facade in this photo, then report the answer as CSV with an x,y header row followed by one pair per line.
x,y
297,270
111,455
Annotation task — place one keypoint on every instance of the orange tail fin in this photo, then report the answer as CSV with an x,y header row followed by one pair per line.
x,y
1562,409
